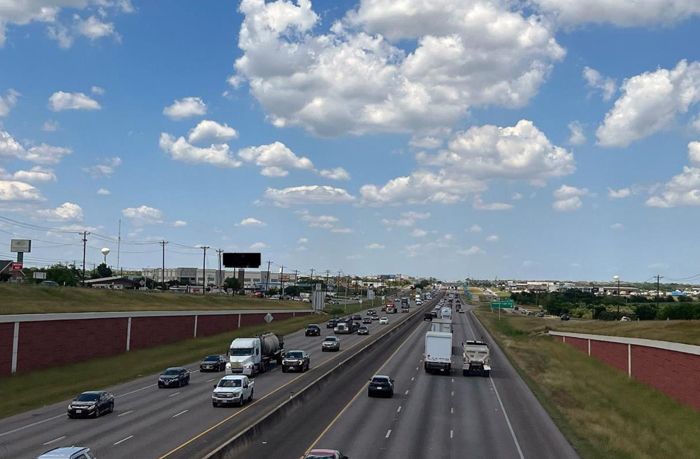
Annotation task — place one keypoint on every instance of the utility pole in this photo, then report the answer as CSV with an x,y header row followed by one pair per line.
x,y
296,277
204,269
267,285
282,282
119,245
220,276
85,233
327,274
163,243
658,281
312,280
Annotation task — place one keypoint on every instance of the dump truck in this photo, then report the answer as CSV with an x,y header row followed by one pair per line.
x,y
250,356
476,358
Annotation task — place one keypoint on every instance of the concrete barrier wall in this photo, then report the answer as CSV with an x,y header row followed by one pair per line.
x,y
672,368
42,340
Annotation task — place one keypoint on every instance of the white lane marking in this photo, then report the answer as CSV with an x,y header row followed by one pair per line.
x,y
125,413
510,427
451,434
453,379
413,378
210,380
54,440
181,412
453,393
417,368
173,395
31,425
134,391
452,410
388,432
406,391
123,440
399,410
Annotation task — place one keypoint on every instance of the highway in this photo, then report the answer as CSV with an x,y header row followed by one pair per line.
x,y
429,416
176,423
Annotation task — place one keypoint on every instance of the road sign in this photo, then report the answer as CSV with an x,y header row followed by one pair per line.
x,y
16,266
503,304
360,300
20,245
383,297
268,317
370,294
39,275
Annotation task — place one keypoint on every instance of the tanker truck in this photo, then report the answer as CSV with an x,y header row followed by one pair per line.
x,y
250,356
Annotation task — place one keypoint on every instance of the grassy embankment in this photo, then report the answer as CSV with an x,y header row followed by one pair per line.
x,y
602,412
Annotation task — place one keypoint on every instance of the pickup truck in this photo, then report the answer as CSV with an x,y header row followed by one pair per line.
x,y
476,358
233,390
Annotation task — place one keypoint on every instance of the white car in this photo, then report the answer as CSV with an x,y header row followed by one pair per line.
x,y
383,321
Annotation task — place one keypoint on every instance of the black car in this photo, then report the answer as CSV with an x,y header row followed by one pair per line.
x,y
296,360
212,363
312,330
428,316
332,323
91,404
357,317
381,385
174,377
367,320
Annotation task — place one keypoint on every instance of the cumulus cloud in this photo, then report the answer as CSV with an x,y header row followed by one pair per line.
x,y
259,246
65,212
308,194
407,219
354,79
479,204
577,136
12,190
427,142
516,196
419,233
475,229
36,174
185,108
212,131
179,223
473,250
420,187
567,204
650,102
375,246
617,226
50,126
619,13
606,85
97,90
179,149
275,159
492,238
105,169
568,198
528,264
60,101
103,192
9,101
250,221
144,215
302,240
327,222
91,28
335,174
682,190
619,194
40,154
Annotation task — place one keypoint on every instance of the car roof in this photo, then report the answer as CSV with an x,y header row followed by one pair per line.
x,y
63,451
174,368
331,338
312,325
323,451
93,392
233,376
295,350
381,376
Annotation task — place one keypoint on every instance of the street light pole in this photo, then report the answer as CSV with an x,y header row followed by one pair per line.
x,y
617,278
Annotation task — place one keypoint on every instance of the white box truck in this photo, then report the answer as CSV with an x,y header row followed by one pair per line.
x,y
438,352
441,325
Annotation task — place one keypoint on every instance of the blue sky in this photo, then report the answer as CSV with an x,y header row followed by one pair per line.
x,y
450,138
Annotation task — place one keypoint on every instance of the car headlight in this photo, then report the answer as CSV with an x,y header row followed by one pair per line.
x,y
248,365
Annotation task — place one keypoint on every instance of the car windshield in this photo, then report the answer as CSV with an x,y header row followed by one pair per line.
x,y
240,351
379,380
312,327
364,328
88,397
295,355
211,358
171,372
331,339
230,383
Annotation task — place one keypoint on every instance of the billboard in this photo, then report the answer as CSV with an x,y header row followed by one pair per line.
x,y
20,245
386,276
241,260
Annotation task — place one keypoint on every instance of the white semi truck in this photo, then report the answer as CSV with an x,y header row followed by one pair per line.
x,y
250,356
438,352
476,358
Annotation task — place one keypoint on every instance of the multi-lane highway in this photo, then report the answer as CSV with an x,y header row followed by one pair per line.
x,y
429,416
176,423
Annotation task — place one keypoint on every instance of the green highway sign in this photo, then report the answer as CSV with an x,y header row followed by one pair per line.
x,y
503,304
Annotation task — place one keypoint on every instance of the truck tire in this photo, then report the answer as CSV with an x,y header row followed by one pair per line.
x,y
250,399
284,369
214,404
487,373
465,372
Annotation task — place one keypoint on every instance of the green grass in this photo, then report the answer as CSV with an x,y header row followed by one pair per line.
x,y
19,392
32,299
602,412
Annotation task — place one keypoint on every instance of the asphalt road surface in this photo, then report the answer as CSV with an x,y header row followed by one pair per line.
x,y
430,415
175,423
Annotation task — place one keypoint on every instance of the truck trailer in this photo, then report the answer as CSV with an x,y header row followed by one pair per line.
x,y
250,356
438,352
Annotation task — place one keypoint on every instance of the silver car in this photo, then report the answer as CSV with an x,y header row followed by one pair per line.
x,y
331,343
69,452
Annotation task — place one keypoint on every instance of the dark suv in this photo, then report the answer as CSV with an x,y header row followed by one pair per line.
x,y
212,363
296,360
332,323
312,330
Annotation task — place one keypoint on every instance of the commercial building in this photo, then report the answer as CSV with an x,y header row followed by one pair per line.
x,y
114,282
252,280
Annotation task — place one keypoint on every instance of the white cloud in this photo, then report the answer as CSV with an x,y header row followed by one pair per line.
x,y
473,250
427,142
302,240
144,215
694,153
212,131
650,103
50,126
341,230
492,238
35,174
40,154
375,246
695,124
11,190
353,80
619,12
619,194
568,198
335,174
682,190
9,101
479,204
421,187
250,221
416,215
566,191
568,204
217,155
103,192
72,101
575,265
97,90
617,226
528,264
607,86
407,219
577,136
516,196
308,194
92,28
103,170
259,246
274,158
179,223
658,265
65,212
475,229
418,233
185,108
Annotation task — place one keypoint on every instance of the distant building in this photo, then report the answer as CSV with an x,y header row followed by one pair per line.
x,y
252,279
114,282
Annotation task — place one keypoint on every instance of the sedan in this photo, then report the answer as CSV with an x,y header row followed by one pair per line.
x,y
213,363
367,320
325,454
381,385
330,343
363,330
91,404
357,317
375,317
384,321
313,330
174,377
